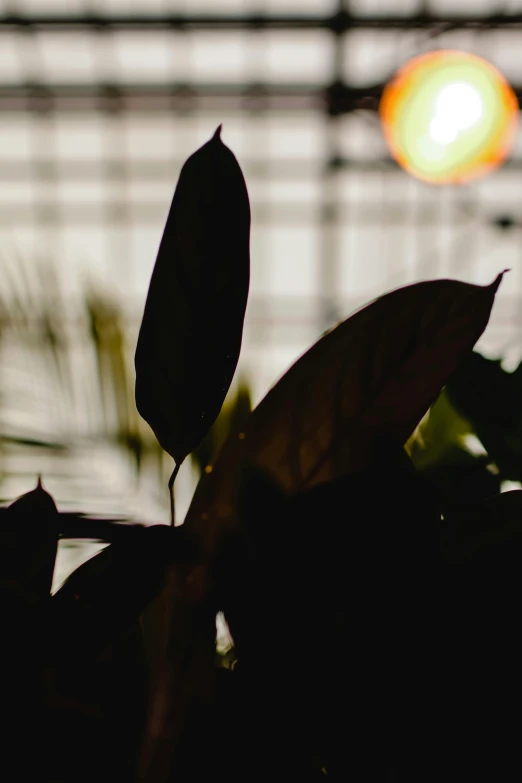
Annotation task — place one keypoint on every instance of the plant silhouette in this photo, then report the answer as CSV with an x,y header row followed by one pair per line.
x,y
323,507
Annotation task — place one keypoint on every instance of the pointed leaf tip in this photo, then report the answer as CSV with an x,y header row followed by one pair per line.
x,y
497,281
217,132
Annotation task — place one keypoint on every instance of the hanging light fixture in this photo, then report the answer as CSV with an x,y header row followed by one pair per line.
x,y
449,117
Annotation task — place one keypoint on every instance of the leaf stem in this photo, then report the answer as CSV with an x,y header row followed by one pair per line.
x,y
171,492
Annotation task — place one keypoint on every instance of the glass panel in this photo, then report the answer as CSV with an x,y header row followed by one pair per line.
x,y
16,136
11,66
464,8
215,56
113,7
293,264
80,137
19,193
66,57
316,7
48,7
148,138
371,57
142,56
301,137
385,7
361,138
502,48
284,191
209,6
298,56
144,246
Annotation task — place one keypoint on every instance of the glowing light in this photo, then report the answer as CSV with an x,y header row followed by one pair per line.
x,y
449,117
457,107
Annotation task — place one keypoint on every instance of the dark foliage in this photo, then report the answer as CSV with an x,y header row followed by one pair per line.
x,y
489,397
190,337
387,585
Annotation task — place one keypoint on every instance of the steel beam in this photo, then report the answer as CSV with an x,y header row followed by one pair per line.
x,y
338,23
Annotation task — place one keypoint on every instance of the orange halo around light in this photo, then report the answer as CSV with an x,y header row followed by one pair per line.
x,y
467,151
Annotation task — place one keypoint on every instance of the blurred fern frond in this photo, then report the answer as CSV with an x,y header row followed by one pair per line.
x,y
67,397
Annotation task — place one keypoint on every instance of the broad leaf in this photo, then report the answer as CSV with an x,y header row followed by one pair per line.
x,y
190,337
375,374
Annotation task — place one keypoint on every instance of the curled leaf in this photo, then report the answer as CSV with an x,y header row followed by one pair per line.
x,y
190,337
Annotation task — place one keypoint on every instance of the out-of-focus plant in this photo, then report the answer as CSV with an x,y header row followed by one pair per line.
x,y
308,513
66,381
470,443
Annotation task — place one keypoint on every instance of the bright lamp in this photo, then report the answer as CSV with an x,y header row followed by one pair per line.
x,y
449,117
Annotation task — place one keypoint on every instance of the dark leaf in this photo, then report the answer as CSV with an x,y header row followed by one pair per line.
x,y
296,547
477,664
190,337
375,374
341,574
183,684
98,704
491,399
28,541
108,592
487,529
461,477
29,530
438,449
